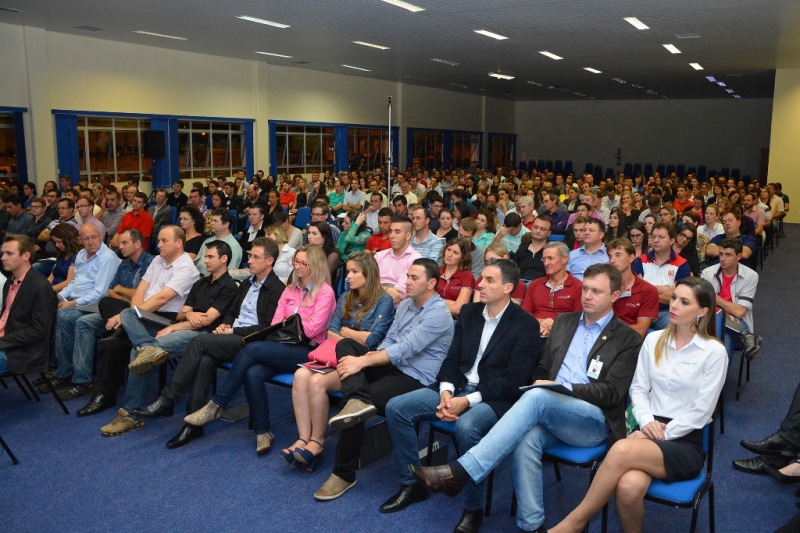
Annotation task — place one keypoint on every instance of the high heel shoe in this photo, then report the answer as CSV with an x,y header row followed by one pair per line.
x,y
288,455
780,477
308,459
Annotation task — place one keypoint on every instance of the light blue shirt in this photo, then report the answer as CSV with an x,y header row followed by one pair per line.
x,y
573,369
248,312
93,276
419,338
430,248
580,260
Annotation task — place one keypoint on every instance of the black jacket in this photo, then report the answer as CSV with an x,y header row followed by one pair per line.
x,y
268,297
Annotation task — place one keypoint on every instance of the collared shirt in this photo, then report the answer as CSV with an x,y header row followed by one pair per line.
x,y
129,274
179,276
71,221
430,247
717,229
394,268
236,253
112,219
573,369
283,265
376,320
315,315
20,224
489,326
92,276
207,293
756,215
418,340
248,312
357,197
450,288
743,288
372,222
581,259
640,301
511,242
336,199
378,243
543,300
141,221
13,290
684,386
666,274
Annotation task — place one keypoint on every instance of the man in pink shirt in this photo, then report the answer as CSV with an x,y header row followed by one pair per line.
x,y
395,262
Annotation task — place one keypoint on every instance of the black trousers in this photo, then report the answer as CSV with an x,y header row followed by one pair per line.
x,y
376,386
790,426
198,367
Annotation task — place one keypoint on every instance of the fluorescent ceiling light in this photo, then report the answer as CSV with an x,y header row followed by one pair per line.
x,y
592,70
405,5
619,80
445,62
379,47
551,55
458,85
696,66
274,55
721,84
729,91
535,83
357,68
712,79
160,35
672,48
262,21
500,76
636,23
492,35
636,86
736,96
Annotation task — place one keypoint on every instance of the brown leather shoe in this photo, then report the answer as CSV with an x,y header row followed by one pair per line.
x,y
438,479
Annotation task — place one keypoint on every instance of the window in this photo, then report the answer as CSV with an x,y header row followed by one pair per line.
x,y
502,148
209,149
428,150
108,145
302,149
372,143
8,146
465,151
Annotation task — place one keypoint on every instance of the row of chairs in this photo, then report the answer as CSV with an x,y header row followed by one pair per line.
x,y
634,169
547,164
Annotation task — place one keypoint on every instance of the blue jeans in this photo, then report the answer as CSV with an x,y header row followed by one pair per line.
x,y
662,321
140,332
175,343
538,420
402,414
3,362
44,267
251,368
76,339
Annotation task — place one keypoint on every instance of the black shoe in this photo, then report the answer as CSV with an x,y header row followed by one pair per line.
x,y
772,445
438,479
75,391
407,495
154,410
40,381
99,403
542,529
780,477
750,466
470,522
185,436
57,383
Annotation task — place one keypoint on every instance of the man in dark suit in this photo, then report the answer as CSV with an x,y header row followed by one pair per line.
x,y
590,357
161,212
495,349
253,308
28,313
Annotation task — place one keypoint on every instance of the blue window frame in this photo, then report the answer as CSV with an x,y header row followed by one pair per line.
x,y
13,158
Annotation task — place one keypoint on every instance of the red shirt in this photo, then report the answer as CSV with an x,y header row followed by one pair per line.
x,y
725,287
529,225
376,243
288,198
641,302
680,207
141,221
543,302
449,289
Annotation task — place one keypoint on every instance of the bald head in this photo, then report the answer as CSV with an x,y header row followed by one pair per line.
x,y
91,238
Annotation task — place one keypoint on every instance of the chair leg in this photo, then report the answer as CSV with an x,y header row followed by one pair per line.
x,y
489,486
721,406
739,381
429,456
31,388
8,451
3,383
558,471
513,511
748,372
21,387
712,521
54,393
604,525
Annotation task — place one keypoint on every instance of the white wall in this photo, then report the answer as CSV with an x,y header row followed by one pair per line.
x,y
716,133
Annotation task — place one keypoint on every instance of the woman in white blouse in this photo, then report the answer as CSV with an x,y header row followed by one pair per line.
x,y
712,227
678,379
283,265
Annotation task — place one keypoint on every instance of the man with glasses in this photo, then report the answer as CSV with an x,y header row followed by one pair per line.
x,y
555,293
51,209
66,215
95,267
111,217
85,209
136,218
40,219
375,205
319,213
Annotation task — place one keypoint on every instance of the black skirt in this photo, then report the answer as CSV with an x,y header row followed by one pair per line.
x,y
683,457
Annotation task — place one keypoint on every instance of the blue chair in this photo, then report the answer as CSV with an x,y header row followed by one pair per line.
x,y
540,165
523,165
11,455
302,218
567,166
670,169
588,169
531,165
680,170
725,171
174,211
628,169
702,173
735,173
609,172
548,164
648,170
235,214
449,429
637,169
691,170
554,237
598,171
558,167
661,169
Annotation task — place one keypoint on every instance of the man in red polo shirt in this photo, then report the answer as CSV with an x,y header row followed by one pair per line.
x,y
558,292
683,201
137,218
637,304
380,241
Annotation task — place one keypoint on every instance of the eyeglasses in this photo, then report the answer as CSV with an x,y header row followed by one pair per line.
x,y
82,205
298,263
687,237
636,235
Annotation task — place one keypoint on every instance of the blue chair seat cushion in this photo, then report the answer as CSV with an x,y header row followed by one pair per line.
x,y
444,427
282,379
680,492
575,455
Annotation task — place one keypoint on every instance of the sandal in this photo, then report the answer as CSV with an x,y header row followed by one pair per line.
x,y
309,460
288,455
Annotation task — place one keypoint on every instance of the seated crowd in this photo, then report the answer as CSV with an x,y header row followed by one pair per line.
x,y
523,308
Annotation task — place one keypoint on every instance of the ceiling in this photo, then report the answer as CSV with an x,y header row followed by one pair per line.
x,y
739,42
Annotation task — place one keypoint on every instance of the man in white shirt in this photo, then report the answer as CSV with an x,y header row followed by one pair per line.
x,y
405,189
355,197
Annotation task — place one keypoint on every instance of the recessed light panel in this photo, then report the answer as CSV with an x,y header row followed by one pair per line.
x,y
357,68
262,21
636,23
671,48
274,55
379,47
445,62
551,55
405,5
592,70
500,76
141,32
492,35
696,66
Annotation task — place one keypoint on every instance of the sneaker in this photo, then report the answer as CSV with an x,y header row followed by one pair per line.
x,y
123,423
206,414
354,412
75,391
57,383
333,488
146,358
264,442
752,345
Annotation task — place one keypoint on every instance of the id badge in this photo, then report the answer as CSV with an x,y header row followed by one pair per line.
x,y
595,366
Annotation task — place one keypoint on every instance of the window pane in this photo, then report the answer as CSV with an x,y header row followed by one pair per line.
x,y
220,126
126,123
101,150
183,124
184,150
280,151
201,126
82,150
313,156
295,150
220,154
7,119
200,153
99,122
237,149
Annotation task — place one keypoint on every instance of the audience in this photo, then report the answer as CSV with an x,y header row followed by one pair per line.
x,y
556,292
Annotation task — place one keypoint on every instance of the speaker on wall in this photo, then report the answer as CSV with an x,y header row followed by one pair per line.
x,y
153,144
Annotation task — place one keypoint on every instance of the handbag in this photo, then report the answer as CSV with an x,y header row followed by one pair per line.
x,y
324,355
287,331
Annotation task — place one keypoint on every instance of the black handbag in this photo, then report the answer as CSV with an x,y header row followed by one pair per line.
x,y
287,331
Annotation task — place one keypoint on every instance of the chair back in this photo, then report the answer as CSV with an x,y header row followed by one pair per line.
x,y
302,218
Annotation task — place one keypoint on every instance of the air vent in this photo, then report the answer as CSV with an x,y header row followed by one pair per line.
x,y
10,10
92,29
303,62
